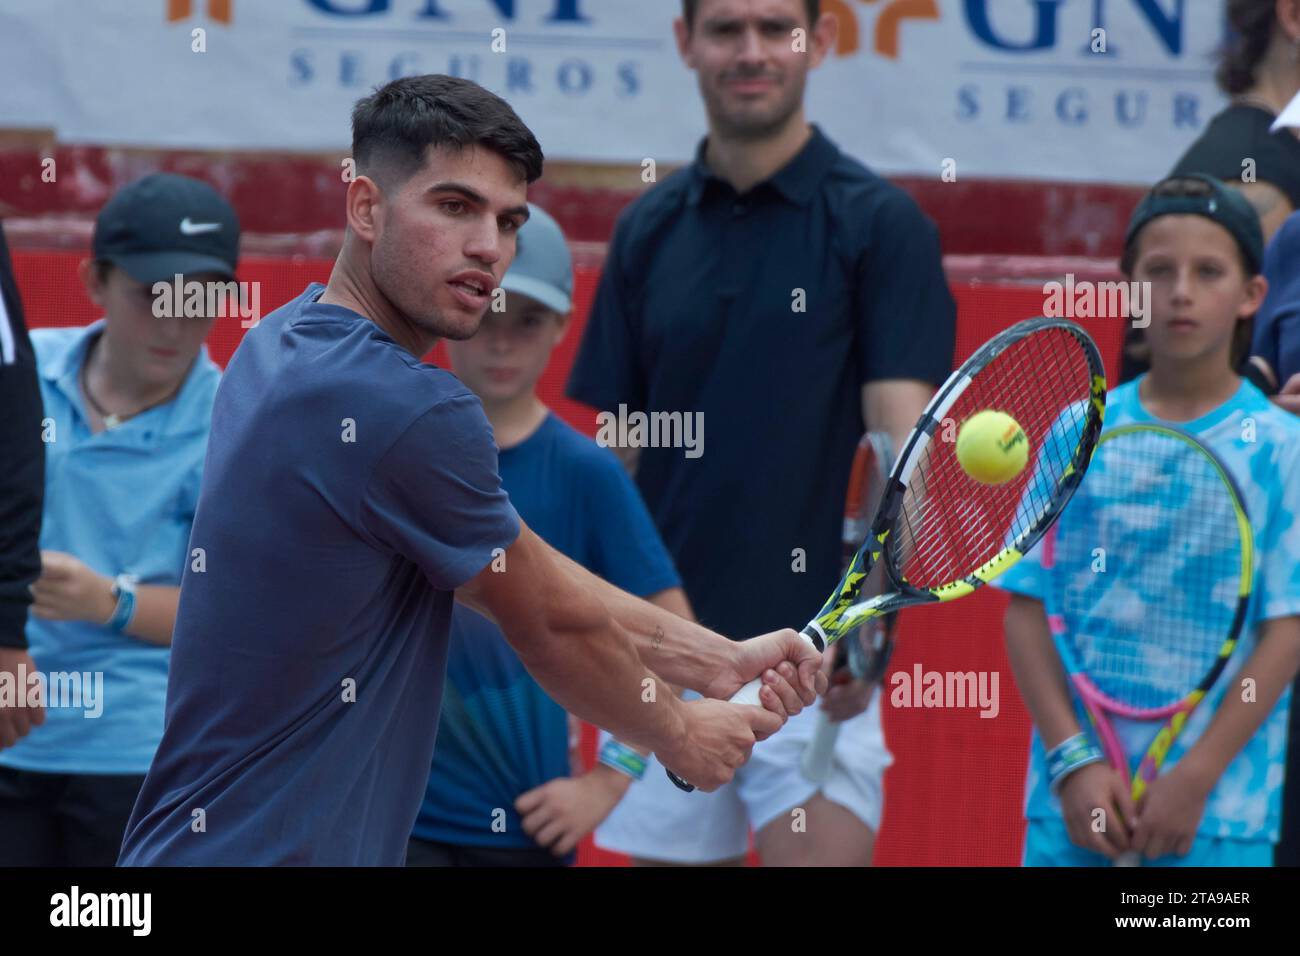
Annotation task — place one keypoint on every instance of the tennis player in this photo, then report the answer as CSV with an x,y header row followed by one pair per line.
x,y
350,493
1199,245
789,298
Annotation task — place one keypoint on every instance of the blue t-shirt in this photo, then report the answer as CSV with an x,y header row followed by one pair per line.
x,y
120,501
349,490
1277,324
763,314
1260,444
500,735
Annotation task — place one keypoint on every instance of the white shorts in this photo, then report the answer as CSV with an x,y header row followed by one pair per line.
x,y
657,821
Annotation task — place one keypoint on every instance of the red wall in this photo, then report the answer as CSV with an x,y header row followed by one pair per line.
x,y
289,197
953,795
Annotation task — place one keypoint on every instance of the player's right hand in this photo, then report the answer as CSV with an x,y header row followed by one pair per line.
x,y
17,721
718,739
1096,787
788,665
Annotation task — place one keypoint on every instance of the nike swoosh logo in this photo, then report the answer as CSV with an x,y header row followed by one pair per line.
x,y
197,228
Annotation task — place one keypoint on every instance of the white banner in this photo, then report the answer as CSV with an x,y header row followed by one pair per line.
x,y
1099,90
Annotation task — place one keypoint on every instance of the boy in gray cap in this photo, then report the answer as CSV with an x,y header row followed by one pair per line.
x,y
500,792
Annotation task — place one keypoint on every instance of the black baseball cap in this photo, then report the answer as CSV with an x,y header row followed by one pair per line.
x,y
167,224
1199,195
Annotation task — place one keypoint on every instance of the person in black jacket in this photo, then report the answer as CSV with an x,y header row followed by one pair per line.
x,y
22,490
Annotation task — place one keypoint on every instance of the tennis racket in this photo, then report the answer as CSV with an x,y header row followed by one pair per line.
x,y
1147,636
865,655
942,534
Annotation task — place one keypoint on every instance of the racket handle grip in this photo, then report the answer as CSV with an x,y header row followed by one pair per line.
x,y
678,782
748,695
816,762
1131,858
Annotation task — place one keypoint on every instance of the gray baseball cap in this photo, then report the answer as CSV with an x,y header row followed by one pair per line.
x,y
166,224
543,268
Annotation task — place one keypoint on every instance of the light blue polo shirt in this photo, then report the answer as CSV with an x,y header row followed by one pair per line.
x,y
122,502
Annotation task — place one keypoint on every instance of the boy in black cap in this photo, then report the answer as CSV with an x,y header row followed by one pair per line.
x,y
128,403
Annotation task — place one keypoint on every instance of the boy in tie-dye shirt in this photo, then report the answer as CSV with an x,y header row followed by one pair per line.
x,y
1217,802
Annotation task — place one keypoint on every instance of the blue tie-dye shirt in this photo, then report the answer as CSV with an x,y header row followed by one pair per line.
x,y
1260,444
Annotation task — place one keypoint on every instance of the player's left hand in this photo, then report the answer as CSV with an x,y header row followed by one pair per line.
x,y
559,813
68,590
789,666
1169,813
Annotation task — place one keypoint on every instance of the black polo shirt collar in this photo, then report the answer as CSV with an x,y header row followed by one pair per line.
x,y
798,180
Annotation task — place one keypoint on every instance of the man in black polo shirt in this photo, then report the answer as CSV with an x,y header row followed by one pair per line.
x,y
787,295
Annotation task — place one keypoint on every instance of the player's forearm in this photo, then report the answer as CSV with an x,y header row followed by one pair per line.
x,y
678,650
585,660
1270,668
673,600
1037,671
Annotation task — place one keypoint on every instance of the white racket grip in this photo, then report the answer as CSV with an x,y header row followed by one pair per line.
x,y
749,693
817,755
1131,858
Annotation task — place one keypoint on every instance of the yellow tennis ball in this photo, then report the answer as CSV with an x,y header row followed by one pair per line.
x,y
992,447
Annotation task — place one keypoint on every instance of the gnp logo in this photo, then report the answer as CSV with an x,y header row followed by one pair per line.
x,y
888,22
1167,26
221,10
218,10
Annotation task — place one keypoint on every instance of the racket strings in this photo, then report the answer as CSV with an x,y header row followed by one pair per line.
x,y
949,523
1147,569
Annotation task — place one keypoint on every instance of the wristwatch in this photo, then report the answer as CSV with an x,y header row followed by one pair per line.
x,y
124,592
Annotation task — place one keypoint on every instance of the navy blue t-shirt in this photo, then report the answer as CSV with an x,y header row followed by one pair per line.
x,y
765,312
500,735
349,489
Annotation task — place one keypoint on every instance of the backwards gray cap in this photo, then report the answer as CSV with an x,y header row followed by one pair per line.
x,y
543,268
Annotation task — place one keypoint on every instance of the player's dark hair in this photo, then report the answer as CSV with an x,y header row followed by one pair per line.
x,y
394,126
1251,23
690,7
1243,334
